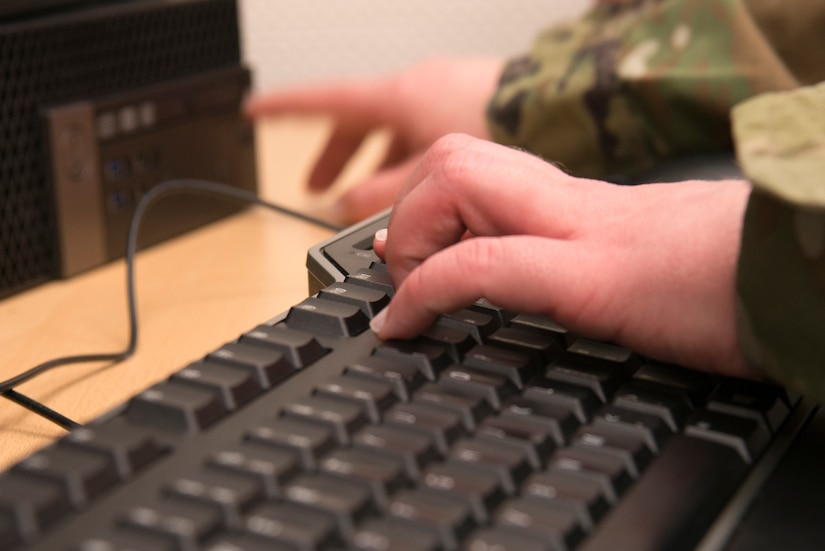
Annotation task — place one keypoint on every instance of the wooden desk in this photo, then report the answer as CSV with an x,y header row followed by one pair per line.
x,y
194,293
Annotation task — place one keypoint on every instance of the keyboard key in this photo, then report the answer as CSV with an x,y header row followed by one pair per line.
x,y
124,538
690,475
443,425
542,348
622,358
300,349
175,407
469,403
584,496
383,473
495,388
507,462
505,538
130,448
327,317
599,376
229,492
534,437
669,406
451,517
404,377
501,315
542,325
651,428
388,534
630,447
84,473
514,365
379,280
749,437
268,366
294,525
348,501
342,415
478,324
581,401
480,489
758,401
375,395
270,466
370,301
243,542
693,384
455,341
186,522
557,420
310,440
595,465
29,504
429,358
235,386
415,449
557,525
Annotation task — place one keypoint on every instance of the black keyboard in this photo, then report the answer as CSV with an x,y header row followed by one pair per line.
x,y
492,431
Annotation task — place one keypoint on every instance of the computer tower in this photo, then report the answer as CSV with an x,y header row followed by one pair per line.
x,y
100,101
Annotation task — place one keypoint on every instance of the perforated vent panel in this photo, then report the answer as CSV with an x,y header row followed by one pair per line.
x,y
79,57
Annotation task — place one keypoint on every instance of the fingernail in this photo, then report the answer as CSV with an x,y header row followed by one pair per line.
x,y
377,323
381,235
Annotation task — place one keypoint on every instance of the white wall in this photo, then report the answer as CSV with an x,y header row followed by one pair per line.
x,y
288,41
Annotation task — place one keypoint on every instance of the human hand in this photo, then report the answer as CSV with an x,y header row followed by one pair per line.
x,y
418,106
650,267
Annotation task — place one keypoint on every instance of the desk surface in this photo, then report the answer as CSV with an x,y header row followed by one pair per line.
x,y
195,292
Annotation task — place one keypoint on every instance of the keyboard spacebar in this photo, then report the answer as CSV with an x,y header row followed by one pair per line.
x,y
675,501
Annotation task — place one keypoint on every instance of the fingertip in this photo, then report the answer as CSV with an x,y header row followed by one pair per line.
x,y
379,242
378,323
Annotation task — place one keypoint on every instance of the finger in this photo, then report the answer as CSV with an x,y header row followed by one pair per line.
x,y
364,100
522,273
468,184
375,193
342,144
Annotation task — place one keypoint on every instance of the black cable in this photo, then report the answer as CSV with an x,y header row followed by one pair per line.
x,y
161,189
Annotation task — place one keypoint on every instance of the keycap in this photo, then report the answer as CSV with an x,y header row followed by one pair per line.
x,y
455,341
379,280
327,317
404,377
480,489
557,525
542,325
299,527
235,386
690,475
187,522
300,348
443,425
375,395
230,492
477,324
559,421
450,517
599,376
348,501
381,472
652,428
630,447
268,366
581,401
271,466
692,383
130,448
429,358
84,473
244,542
752,399
534,437
29,504
501,315
494,387
469,403
415,449
310,440
669,406
388,534
124,538
518,367
506,538
748,436
175,407
596,465
584,496
507,462
370,301
342,415
542,348
621,357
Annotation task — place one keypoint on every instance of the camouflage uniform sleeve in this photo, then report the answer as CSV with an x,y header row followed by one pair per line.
x,y
636,81
780,142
